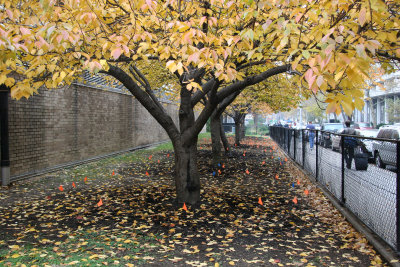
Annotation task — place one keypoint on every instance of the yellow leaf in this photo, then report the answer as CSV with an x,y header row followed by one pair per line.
x,y
14,247
232,263
331,107
40,69
2,78
347,107
104,64
171,66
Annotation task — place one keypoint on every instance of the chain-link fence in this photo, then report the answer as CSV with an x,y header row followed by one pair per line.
x,y
367,183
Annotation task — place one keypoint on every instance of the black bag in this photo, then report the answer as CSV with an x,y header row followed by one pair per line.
x,y
351,142
361,161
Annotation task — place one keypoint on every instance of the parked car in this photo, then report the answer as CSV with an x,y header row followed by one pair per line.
x,y
368,143
325,138
385,151
365,125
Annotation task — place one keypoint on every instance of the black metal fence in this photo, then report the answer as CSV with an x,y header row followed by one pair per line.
x,y
370,188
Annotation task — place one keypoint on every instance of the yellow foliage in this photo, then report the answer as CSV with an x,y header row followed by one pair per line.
x,y
338,40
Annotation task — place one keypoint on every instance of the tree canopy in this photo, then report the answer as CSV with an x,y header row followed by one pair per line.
x,y
212,50
332,43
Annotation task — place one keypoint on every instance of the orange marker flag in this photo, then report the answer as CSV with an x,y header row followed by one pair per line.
x,y
219,172
73,185
285,159
85,179
150,157
298,182
260,201
306,192
184,206
168,155
247,171
223,166
262,163
295,200
100,203
61,188
147,174
113,173
276,176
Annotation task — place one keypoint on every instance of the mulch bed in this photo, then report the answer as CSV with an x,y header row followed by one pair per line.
x,y
138,221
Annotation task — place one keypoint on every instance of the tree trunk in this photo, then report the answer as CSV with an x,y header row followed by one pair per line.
x,y
237,132
256,122
240,130
242,126
187,179
224,140
216,138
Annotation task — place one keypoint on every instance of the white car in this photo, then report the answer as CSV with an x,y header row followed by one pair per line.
x,y
385,151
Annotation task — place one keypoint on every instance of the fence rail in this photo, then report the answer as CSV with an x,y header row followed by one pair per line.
x,y
372,194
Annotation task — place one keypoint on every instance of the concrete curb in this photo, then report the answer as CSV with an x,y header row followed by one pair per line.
x,y
378,243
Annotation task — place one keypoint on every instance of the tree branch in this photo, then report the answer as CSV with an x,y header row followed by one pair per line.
x,y
255,63
203,117
137,74
158,114
240,85
201,93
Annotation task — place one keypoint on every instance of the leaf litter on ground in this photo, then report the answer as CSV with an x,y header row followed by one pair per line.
x,y
246,216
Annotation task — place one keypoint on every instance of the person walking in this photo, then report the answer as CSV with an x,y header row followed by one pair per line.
x,y
311,134
349,144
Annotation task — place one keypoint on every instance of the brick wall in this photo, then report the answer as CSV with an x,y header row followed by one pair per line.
x,y
66,125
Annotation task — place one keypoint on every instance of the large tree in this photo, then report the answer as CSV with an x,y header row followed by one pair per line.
x,y
275,95
208,45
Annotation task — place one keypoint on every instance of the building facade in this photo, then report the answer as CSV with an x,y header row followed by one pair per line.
x,y
378,106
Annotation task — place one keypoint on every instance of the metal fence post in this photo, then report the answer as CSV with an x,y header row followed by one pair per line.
x,y
316,156
342,199
398,195
286,138
303,146
294,145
